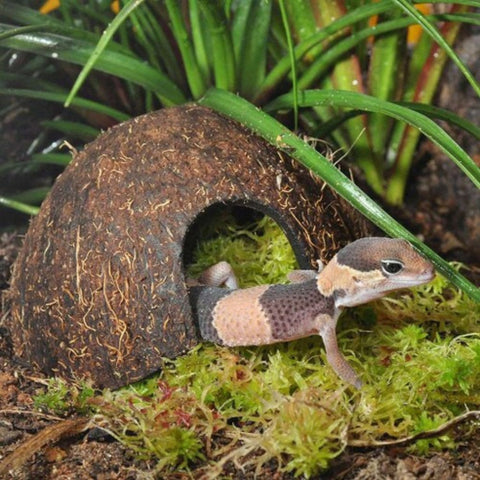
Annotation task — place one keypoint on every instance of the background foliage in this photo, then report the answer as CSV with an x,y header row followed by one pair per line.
x,y
316,66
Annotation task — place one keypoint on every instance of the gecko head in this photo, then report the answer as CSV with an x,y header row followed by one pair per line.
x,y
371,267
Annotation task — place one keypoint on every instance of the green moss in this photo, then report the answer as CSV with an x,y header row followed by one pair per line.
x,y
61,397
418,353
157,421
259,251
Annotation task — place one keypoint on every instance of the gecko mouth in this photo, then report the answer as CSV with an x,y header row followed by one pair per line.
x,y
417,280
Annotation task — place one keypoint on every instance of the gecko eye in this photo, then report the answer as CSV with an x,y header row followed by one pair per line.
x,y
392,267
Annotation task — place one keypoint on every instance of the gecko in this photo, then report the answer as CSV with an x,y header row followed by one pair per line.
x,y
364,270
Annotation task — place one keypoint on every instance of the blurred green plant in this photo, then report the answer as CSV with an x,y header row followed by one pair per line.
x,y
320,64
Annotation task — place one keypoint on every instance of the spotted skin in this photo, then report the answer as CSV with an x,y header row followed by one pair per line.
x,y
291,310
260,315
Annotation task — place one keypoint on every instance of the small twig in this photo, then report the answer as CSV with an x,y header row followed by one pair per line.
x,y
418,436
40,380
69,146
18,411
51,434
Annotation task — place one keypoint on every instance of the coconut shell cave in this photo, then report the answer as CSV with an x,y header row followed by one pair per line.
x,y
98,291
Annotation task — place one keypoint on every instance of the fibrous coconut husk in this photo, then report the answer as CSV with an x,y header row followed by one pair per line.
x,y
98,290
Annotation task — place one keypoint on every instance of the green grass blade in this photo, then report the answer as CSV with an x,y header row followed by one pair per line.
x,y
143,35
250,32
60,98
342,47
195,78
403,146
101,46
407,6
73,129
387,60
328,128
159,40
18,206
42,27
77,51
346,74
33,195
420,67
30,17
283,139
23,80
303,20
443,114
198,39
428,127
278,72
416,64
428,110
292,61
221,42
62,159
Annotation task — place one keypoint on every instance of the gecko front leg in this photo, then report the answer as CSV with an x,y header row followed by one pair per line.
x,y
334,357
300,276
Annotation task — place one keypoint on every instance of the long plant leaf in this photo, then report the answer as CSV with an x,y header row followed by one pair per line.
x,y
282,138
250,30
115,63
388,58
426,84
42,27
340,48
346,74
23,80
60,98
62,159
407,6
292,61
199,39
442,114
18,206
101,46
73,129
194,75
21,15
33,195
282,67
221,43
430,111
345,99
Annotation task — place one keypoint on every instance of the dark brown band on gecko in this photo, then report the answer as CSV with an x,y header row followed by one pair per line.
x,y
291,309
203,300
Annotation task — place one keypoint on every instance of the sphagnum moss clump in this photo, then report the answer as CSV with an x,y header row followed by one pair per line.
x,y
418,353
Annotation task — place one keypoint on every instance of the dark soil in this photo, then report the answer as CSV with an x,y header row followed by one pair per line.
x,y
20,128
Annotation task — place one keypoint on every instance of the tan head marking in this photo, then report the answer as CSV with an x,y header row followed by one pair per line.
x,y
370,267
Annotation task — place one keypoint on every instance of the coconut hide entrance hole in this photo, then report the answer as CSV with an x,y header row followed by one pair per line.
x,y
98,290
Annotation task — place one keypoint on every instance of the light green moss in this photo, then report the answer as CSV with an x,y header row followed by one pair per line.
x,y
62,397
418,353
260,253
